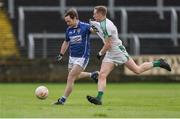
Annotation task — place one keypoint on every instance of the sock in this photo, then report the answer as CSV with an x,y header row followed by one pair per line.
x,y
156,63
100,94
63,99
90,75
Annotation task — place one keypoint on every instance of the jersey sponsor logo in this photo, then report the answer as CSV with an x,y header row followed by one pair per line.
x,y
75,39
78,30
70,32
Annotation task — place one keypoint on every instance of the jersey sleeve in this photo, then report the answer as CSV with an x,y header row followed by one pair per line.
x,y
67,36
88,26
109,30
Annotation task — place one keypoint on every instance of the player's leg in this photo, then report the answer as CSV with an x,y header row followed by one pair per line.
x,y
84,75
105,70
138,69
73,74
93,75
83,62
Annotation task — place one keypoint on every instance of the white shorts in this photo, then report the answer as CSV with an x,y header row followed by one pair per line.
x,y
118,57
83,62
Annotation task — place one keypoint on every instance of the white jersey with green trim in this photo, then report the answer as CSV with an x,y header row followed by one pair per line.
x,y
106,29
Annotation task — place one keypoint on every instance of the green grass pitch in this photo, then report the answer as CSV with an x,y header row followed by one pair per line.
x,y
123,100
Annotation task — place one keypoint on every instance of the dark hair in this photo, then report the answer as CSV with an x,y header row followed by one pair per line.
x,y
101,9
72,13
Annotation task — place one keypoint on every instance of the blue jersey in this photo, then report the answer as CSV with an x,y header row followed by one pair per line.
x,y
78,38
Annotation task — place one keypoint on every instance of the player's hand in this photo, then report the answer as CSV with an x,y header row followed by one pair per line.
x,y
94,28
99,55
59,57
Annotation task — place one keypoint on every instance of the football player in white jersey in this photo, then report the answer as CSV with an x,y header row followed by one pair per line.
x,y
115,53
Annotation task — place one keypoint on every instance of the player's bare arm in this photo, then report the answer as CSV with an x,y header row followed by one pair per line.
x,y
107,46
64,47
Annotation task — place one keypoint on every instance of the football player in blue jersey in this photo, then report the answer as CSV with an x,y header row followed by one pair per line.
x,y
78,42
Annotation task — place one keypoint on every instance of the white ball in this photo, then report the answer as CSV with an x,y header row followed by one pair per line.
x,y
41,92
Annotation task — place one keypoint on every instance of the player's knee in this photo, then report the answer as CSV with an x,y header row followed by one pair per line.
x,y
102,76
70,80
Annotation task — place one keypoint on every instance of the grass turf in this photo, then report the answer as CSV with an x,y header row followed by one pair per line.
x,y
147,100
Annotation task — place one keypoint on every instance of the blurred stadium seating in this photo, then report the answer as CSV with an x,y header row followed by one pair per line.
x,y
8,46
139,22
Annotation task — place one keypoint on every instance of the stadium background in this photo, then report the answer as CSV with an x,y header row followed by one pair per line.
x,y
149,29
31,32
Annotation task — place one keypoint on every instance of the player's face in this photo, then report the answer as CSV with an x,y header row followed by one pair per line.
x,y
97,16
70,22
